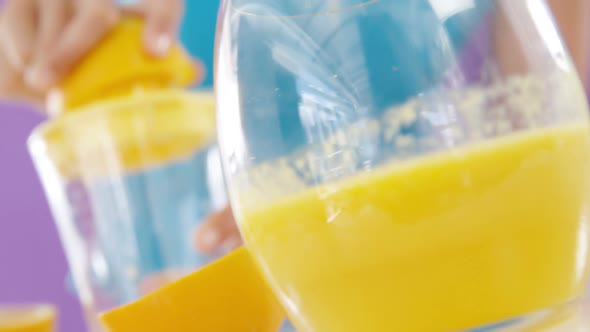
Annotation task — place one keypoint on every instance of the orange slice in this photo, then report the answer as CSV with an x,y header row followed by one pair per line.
x,y
226,296
31,318
118,65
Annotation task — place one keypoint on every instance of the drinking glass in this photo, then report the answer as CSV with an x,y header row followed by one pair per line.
x,y
128,181
407,165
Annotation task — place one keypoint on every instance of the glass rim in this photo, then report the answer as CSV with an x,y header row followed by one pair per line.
x,y
360,4
52,141
110,105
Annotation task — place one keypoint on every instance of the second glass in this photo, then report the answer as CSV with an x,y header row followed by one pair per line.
x,y
128,181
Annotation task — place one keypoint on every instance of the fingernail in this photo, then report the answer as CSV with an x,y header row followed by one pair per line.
x,y
160,45
54,103
39,78
210,238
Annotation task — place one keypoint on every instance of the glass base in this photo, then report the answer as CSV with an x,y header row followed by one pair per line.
x,y
573,316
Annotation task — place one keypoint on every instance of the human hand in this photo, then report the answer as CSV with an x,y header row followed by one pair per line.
x,y
42,40
573,20
218,234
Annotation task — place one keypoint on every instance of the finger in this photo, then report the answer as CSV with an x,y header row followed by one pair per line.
x,y
572,19
217,229
230,244
19,33
200,70
53,18
9,77
91,22
12,87
163,20
159,280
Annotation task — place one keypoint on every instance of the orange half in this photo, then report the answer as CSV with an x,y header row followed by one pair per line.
x,y
118,65
29,318
226,296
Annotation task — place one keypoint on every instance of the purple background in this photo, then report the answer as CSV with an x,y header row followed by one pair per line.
x,y
32,264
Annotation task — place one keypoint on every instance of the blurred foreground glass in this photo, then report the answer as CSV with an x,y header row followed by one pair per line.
x,y
128,181
28,318
407,165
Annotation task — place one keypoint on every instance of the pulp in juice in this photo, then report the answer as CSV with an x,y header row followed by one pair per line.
x,y
458,239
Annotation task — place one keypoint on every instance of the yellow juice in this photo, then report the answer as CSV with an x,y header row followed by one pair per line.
x,y
458,239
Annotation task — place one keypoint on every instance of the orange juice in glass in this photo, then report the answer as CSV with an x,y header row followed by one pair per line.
x,y
381,185
476,236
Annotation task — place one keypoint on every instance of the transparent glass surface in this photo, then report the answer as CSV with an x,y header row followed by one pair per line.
x,y
128,182
407,165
